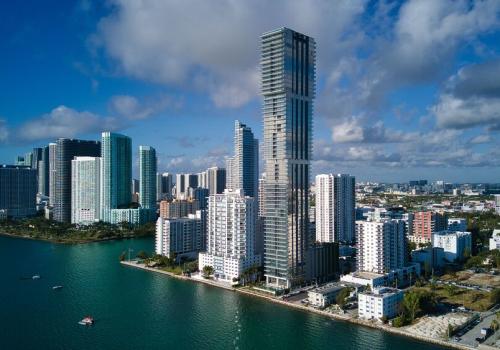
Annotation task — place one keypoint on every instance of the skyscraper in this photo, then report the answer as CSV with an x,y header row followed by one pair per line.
x,y
335,208
244,164
288,84
66,150
116,173
52,173
85,190
147,181
43,173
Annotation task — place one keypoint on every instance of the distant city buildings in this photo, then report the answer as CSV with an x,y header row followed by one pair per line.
x,y
335,208
457,224
497,203
288,88
18,188
231,224
85,190
178,208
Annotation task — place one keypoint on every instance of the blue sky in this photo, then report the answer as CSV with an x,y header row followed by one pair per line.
x,y
405,89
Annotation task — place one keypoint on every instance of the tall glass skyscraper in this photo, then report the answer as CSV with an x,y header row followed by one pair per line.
x,y
288,84
147,181
116,173
243,167
66,150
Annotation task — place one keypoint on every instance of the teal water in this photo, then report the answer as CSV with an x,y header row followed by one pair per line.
x,y
136,309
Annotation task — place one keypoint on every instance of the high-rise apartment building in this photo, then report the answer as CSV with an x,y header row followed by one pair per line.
x,y
85,190
66,150
244,171
335,208
147,181
178,208
18,187
116,173
181,237
183,183
288,87
43,173
381,245
231,225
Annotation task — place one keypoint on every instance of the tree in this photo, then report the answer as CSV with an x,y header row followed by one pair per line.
x,y
398,321
341,298
494,325
411,304
207,271
142,254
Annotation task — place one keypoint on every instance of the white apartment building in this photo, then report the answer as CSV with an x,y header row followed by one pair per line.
x,y
85,190
324,295
381,245
495,240
457,224
180,237
335,207
455,244
379,303
231,227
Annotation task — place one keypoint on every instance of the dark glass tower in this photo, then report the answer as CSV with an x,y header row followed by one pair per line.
x,y
288,84
66,150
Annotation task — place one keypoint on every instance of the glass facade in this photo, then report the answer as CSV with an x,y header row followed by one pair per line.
x,y
147,181
288,84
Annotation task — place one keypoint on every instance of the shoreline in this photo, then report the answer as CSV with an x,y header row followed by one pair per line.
x,y
68,242
372,325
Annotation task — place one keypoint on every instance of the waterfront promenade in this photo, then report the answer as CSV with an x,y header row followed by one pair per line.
x,y
346,317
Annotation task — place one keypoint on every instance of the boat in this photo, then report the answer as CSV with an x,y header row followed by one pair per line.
x,y
57,287
87,321
35,277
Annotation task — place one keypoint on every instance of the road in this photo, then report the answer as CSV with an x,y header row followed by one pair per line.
x,y
469,338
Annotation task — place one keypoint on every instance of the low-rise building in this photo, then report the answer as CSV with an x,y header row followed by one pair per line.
x,y
323,296
457,245
380,303
495,240
132,216
400,277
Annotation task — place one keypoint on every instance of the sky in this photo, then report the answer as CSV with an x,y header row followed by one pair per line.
x,y
405,89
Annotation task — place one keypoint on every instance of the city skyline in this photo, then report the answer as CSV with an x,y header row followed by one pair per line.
x,y
427,110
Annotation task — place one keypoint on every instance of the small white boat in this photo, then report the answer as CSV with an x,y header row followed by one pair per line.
x,y
57,287
87,321
35,277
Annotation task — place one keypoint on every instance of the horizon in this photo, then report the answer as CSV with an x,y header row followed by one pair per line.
x,y
397,99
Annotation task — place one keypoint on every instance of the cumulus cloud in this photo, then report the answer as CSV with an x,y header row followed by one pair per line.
x,y
214,47
480,139
471,98
131,108
357,130
184,163
63,121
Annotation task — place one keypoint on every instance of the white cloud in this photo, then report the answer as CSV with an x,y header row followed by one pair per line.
x,y
359,130
64,122
215,46
131,108
480,139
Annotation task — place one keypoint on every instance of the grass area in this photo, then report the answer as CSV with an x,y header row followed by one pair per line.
x,y
176,270
49,230
471,299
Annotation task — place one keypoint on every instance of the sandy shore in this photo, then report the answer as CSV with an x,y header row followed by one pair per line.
x,y
376,325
